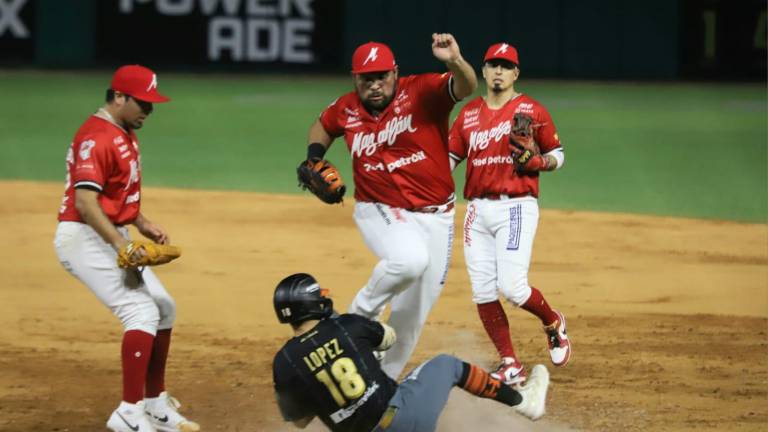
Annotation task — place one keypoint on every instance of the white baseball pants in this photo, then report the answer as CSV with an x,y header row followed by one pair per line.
x,y
414,251
138,299
498,244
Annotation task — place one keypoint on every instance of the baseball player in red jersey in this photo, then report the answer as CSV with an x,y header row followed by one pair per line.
x,y
503,212
396,130
102,196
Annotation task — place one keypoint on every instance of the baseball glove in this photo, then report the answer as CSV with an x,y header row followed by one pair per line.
x,y
131,256
525,152
322,179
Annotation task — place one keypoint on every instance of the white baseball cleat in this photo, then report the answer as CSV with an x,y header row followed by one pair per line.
x,y
163,412
511,372
534,393
130,417
557,341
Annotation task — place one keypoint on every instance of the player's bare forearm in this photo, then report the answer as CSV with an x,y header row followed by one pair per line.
x,y
446,49
87,204
317,134
150,230
464,77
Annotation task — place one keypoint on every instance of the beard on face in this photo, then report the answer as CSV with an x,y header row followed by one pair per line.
x,y
378,105
132,124
497,88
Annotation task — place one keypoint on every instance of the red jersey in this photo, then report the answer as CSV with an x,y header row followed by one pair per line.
x,y
104,157
481,136
399,158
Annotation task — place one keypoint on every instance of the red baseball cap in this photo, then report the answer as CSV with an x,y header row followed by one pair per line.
x,y
139,82
503,51
372,57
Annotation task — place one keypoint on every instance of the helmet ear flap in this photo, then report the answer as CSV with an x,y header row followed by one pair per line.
x,y
299,298
327,307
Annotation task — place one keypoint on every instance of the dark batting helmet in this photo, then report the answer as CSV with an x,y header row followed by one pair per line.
x,y
299,298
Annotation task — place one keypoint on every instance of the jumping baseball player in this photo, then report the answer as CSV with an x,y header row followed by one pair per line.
x,y
396,130
328,370
102,196
507,139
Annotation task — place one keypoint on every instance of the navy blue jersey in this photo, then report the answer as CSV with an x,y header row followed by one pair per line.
x,y
330,372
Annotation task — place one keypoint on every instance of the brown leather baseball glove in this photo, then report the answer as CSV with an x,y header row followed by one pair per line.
x,y
322,179
140,253
525,151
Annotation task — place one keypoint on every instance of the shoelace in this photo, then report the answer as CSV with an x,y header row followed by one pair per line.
x,y
500,371
174,403
554,339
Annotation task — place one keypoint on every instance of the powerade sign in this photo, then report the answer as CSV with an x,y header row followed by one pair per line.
x,y
231,32
16,33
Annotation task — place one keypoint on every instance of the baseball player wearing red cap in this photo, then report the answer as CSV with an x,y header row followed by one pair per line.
x,y
396,130
103,195
502,211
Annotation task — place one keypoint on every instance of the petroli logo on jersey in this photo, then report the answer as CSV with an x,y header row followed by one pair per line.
x,y
368,143
479,140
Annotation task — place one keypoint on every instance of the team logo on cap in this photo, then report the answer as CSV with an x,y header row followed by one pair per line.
x,y
153,84
372,55
502,49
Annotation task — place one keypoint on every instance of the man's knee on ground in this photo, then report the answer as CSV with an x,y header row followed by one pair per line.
x,y
446,361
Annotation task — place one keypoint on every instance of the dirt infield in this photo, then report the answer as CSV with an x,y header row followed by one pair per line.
x,y
669,317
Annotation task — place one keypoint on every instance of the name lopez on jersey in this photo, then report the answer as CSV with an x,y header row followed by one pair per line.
x,y
368,143
328,351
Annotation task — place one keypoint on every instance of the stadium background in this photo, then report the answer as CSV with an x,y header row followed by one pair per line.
x,y
653,237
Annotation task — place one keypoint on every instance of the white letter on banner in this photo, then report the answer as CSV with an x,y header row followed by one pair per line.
x,y
210,6
254,8
9,18
175,7
225,34
271,43
297,45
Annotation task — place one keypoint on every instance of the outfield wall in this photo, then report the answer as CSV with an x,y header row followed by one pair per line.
x,y
587,39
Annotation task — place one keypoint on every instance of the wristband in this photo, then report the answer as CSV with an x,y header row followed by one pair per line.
x,y
316,151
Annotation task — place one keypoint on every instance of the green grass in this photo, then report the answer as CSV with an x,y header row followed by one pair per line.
x,y
696,150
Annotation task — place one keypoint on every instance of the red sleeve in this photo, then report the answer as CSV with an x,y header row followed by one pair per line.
x,y
457,147
436,88
546,135
93,161
329,118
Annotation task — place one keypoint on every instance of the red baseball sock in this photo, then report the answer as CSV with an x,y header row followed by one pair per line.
x,y
539,307
497,326
156,370
136,350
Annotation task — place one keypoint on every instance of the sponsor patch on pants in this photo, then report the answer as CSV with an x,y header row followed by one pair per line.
x,y
515,223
